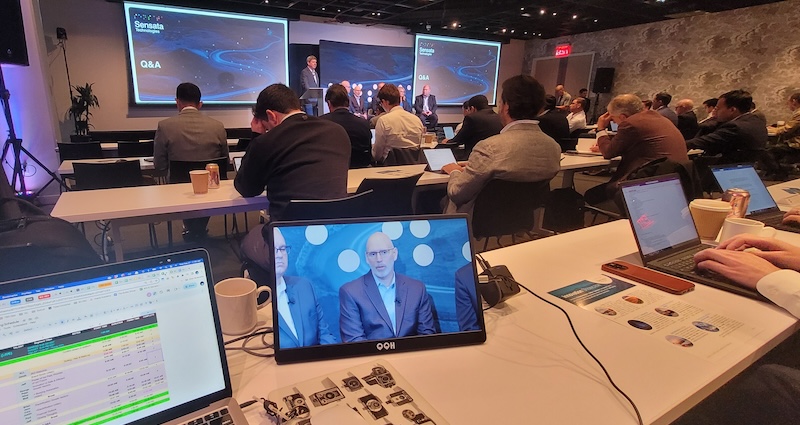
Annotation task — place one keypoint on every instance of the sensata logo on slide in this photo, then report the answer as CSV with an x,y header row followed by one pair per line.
x,y
144,22
426,48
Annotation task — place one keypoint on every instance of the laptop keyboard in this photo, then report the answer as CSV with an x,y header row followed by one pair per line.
x,y
685,263
220,417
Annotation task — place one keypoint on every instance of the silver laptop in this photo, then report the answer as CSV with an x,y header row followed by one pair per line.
x,y
762,206
438,158
665,232
137,342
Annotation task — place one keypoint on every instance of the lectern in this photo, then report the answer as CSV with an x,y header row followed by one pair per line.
x,y
316,97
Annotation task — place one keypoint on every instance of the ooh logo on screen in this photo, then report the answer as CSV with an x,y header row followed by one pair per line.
x,y
426,48
381,346
145,22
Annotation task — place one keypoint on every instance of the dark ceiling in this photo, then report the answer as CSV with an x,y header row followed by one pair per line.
x,y
495,18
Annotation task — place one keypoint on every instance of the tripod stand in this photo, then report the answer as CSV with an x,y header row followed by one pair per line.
x,y
16,148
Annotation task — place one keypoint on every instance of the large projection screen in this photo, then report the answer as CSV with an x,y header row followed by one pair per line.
x,y
455,68
230,56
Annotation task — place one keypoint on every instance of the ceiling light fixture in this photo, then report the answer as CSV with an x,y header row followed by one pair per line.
x,y
574,16
542,12
554,13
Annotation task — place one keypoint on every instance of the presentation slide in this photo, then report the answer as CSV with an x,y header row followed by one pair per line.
x,y
456,69
231,57
365,64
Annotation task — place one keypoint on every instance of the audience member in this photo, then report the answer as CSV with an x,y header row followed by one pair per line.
x,y
740,137
396,128
297,156
521,152
587,102
563,99
357,128
687,120
577,116
357,102
404,103
661,105
642,136
758,113
480,122
375,107
382,303
709,123
787,149
647,104
425,107
464,111
554,123
301,322
309,79
189,136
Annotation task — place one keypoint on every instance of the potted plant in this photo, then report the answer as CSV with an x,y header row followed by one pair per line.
x,y
82,102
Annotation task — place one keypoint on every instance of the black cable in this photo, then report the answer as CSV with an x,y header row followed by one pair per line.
x,y
262,332
485,263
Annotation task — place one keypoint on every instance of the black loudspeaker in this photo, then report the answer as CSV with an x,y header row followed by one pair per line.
x,y
12,34
603,80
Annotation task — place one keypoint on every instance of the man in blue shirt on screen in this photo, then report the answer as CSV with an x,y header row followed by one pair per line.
x,y
383,304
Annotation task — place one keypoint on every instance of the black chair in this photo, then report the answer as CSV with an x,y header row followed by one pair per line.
x,y
91,150
314,209
132,149
568,144
179,170
403,156
507,208
111,175
390,196
241,145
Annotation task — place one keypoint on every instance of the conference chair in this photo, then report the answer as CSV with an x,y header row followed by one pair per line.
x,y
508,208
391,196
111,175
133,149
403,156
179,173
242,144
91,150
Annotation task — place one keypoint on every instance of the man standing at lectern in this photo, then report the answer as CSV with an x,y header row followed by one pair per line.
x,y
309,79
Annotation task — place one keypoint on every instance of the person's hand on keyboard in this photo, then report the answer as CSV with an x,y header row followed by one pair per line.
x,y
741,267
781,254
792,217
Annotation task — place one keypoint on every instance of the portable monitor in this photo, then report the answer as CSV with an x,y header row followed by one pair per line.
x,y
438,158
372,285
448,132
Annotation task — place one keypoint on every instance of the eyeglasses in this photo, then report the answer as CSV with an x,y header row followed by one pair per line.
x,y
283,250
383,253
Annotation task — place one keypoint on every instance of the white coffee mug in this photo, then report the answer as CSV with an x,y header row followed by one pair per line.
x,y
734,226
237,303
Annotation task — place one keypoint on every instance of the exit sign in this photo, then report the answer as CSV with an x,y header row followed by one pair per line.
x,y
563,50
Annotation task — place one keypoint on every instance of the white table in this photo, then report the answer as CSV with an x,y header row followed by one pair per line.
x,y
786,200
571,163
147,204
531,369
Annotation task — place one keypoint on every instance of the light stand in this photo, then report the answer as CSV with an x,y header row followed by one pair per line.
x,y
61,35
16,147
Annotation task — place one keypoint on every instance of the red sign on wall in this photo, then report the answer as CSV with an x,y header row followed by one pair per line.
x,y
563,50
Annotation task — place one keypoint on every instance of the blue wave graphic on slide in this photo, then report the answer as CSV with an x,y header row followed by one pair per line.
x,y
365,64
457,70
230,59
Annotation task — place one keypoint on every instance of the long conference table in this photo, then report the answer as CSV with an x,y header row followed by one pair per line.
x,y
532,370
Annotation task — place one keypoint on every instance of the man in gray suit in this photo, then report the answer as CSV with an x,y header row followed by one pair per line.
x,y
189,136
309,79
521,152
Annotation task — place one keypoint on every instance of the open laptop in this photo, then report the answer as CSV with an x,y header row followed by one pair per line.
x,y
762,206
136,342
449,133
438,158
237,163
665,232
326,266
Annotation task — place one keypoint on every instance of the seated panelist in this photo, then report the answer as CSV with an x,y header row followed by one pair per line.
x,y
425,107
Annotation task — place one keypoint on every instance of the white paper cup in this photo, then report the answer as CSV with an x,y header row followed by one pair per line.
x,y
734,226
237,304
708,216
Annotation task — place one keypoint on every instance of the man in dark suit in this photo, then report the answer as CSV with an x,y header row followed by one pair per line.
x,y
383,304
709,123
466,299
661,105
309,79
480,122
375,108
296,157
584,93
425,107
687,119
301,322
554,122
357,128
740,136
357,102
189,136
